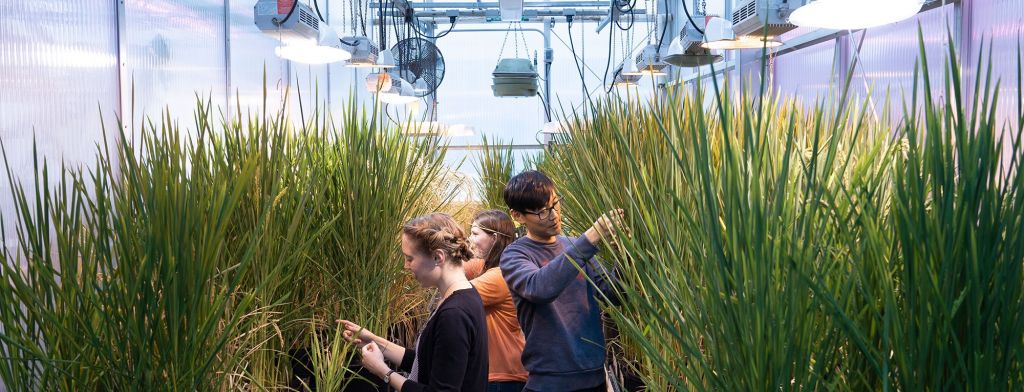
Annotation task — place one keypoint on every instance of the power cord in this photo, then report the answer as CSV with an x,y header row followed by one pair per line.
x,y
286,17
608,63
410,20
690,17
664,25
572,47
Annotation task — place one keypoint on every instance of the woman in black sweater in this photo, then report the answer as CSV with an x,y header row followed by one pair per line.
x,y
451,350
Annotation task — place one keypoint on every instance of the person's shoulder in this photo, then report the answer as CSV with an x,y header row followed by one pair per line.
x,y
473,268
520,246
493,274
466,301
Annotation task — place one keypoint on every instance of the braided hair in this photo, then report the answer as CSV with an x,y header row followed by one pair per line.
x,y
438,231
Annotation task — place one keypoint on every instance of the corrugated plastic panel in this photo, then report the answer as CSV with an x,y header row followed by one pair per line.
x,y
58,71
176,50
1001,23
807,74
889,53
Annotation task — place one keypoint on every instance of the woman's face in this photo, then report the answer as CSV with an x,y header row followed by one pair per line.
x,y
424,267
481,241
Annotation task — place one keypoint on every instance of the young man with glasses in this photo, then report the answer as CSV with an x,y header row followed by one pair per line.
x,y
556,304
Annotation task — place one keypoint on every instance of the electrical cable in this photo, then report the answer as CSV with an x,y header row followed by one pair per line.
x,y
612,87
690,17
383,29
575,59
664,25
628,6
409,20
362,18
286,17
632,19
608,62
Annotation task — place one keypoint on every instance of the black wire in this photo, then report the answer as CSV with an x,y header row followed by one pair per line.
x,y
664,25
628,6
398,34
608,62
632,18
687,11
572,47
402,61
362,20
415,28
290,12
383,28
615,75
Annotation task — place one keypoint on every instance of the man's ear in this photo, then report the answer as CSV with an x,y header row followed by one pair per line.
x,y
517,216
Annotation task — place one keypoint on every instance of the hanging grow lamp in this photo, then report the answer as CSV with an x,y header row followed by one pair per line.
x,y
365,54
719,35
400,93
854,14
327,49
624,80
685,50
648,62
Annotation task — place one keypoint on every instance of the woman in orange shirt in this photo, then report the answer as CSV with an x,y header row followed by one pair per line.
x,y
491,232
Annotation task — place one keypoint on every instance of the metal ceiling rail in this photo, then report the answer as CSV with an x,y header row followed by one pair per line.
x,y
481,147
441,11
526,4
580,14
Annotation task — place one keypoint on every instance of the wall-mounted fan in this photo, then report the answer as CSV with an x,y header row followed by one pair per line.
x,y
419,62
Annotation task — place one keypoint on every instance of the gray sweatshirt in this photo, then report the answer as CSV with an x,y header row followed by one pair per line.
x,y
558,310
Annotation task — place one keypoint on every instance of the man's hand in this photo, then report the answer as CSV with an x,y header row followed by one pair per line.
x,y
605,226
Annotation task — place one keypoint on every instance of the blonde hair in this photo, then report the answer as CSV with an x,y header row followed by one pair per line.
x,y
438,231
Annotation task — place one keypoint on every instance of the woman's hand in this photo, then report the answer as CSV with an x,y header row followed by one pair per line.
x,y
356,334
373,360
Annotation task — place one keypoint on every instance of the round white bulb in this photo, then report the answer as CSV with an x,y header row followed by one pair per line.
x,y
854,14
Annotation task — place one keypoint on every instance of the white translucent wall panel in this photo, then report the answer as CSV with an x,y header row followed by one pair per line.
x,y
58,72
253,59
1001,24
746,76
889,53
176,50
308,87
808,75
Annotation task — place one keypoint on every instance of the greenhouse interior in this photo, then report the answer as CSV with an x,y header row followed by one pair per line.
x,y
512,195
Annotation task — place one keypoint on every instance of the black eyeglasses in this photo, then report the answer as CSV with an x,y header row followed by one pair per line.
x,y
549,212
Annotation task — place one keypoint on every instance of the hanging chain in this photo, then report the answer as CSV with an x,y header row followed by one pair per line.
x,y
624,43
651,14
502,50
526,47
515,39
703,7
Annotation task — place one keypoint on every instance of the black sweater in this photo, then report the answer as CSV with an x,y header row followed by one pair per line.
x,y
453,347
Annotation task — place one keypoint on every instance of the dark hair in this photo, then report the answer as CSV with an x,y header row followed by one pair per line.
x,y
498,224
439,231
529,190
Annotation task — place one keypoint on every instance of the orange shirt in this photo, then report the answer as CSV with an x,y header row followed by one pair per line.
x,y
505,338
473,268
